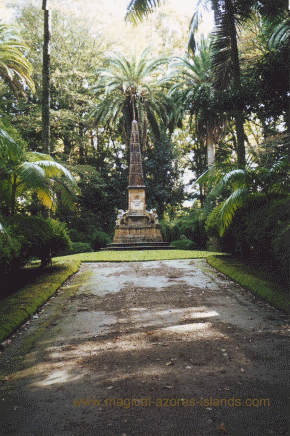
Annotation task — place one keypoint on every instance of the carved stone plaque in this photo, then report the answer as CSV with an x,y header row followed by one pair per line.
x,y
137,205
137,199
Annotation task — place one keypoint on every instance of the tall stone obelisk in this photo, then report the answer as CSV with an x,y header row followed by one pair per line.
x,y
136,225
136,187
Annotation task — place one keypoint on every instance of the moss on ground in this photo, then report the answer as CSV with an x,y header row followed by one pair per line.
x,y
247,277
17,308
138,255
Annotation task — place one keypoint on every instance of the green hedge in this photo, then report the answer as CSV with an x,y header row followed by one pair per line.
x,y
244,275
99,240
17,308
259,232
27,237
183,244
189,225
76,248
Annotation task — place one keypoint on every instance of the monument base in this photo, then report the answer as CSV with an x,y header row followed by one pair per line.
x,y
136,226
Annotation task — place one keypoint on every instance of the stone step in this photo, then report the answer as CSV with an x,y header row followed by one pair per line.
x,y
138,246
151,244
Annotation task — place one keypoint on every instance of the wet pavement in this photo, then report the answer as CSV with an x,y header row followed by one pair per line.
x,y
175,331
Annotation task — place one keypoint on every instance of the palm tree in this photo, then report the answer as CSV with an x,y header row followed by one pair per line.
x,y
46,78
23,173
280,40
248,184
130,89
15,69
226,57
195,91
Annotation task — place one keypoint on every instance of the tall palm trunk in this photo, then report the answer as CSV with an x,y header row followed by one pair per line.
x,y
13,195
210,145
46,80
238,113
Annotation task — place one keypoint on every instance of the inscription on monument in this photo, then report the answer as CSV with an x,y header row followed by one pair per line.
x,y
137,199
137,205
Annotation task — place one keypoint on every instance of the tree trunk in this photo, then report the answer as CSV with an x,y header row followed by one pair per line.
x,y
210,147
144,136
67,145
46,80
287,116
239,118
81,144
92,143
241,150
13,195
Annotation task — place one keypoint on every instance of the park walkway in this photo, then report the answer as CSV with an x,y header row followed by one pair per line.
x,y
148,349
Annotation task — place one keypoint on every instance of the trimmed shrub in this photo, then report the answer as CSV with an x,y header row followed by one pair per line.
x,y
77,236
190,223
60,240
34,236
183,244
100,240
76,248
9,252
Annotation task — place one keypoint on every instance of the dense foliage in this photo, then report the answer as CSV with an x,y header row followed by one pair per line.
x,y
26,237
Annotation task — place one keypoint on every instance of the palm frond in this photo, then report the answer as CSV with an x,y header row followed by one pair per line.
x,y
9,149
34,156
221,58
235,201
54,169
47,198
203,179
30,176
67,197
280,35
201,7
15,68
139,9
237,175
281,164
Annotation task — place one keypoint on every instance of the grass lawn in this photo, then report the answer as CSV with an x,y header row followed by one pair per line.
x,y
21,305
254,280
138,256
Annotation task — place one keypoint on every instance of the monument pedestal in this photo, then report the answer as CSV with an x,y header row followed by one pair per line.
x,y
137,226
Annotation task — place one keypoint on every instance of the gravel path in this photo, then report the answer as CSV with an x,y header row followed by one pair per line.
x,y
155,348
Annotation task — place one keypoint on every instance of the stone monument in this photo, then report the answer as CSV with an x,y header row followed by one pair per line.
x,y
137,226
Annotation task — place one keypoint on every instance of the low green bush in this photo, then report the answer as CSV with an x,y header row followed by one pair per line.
x,y
9,253
77,236
29,236
76,248
33,234
99,240
183,244
190,223
60,239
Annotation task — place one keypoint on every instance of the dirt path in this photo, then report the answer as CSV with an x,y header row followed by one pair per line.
x,y
163,348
